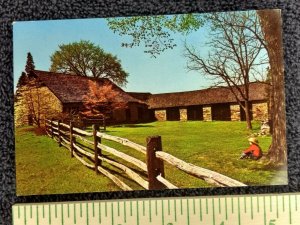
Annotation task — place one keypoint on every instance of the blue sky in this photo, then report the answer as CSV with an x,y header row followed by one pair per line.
x,y
166,73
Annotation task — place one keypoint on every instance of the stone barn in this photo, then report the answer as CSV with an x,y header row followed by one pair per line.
x,y
49,94
208,104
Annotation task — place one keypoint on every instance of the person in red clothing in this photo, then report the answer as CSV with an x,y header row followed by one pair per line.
x,y
254,151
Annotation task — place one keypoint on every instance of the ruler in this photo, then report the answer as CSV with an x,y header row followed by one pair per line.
x,y
267,209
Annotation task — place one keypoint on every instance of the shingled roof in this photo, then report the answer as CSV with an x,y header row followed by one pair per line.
x,y
257,92
70,88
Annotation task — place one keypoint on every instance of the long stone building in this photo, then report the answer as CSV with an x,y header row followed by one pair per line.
x,y
207,104
55,95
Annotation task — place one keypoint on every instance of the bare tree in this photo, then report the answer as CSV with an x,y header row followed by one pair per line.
x,y
236,55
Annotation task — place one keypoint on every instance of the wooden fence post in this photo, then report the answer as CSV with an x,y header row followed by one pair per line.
x,y
96,149
59,134
155,166
72,139
104,124
52,130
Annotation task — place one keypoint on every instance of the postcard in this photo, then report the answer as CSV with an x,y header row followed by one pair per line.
x,y
149,103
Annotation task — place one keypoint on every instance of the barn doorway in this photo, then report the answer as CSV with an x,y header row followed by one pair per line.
x,y
221,112
195,112
173,114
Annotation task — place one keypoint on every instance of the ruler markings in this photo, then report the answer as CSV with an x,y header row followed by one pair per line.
x,y
200,206
239,213
50,214
62,214
87,213
206,206
226,212
251,198
265,216
188,211
137,213
105,209
213,210
270,203
150,212
125,216
112,213
93,206
283,208
162,212
175,211
25,216
245,205
286,206
37,215
99,210
74,209
156,207
55,210
181,207
277,210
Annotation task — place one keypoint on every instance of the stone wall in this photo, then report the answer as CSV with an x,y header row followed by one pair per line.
x,y
260,111
161,115
235,112
183,114
207,113
34,101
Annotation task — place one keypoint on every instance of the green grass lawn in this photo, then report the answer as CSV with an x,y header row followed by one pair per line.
x,y
44,168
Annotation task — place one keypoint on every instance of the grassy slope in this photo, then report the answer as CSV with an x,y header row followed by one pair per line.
x,y
212,145
44,168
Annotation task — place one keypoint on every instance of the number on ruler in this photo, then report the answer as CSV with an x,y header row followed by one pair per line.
x,y
272,222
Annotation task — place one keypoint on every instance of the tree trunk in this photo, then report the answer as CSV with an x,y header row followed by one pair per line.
x,y
248,115
271,26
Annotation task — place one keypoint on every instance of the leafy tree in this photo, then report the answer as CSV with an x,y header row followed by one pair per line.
x,y
101,102
154,31
29,63
86,59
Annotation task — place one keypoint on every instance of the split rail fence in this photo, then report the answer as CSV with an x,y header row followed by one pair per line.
x,y
67,135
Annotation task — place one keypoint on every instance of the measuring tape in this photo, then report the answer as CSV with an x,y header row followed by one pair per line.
x,y
269,209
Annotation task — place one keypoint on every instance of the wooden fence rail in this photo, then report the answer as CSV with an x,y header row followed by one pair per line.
x,y
74,139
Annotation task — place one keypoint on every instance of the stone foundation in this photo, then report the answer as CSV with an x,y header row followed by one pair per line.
x,y
260,111
235,113
207,113
183,114
161,115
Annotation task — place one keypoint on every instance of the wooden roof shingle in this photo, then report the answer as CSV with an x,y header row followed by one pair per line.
x,y
257,92
70,88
